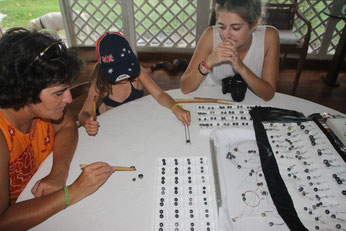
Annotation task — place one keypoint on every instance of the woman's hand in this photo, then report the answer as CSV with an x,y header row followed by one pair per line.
x,y
226,51
222,53
91,126
183,115
92,177
233,56
48,185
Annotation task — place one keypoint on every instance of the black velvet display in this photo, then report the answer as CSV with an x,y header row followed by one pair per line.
x,y
276,185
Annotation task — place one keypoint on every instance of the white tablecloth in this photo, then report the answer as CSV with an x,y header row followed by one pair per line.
x,y
137,134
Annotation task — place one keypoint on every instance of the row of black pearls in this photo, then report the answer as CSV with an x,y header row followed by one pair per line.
x,y
211,117
184,182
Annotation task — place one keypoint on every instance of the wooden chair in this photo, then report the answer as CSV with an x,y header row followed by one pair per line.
x,y
282,17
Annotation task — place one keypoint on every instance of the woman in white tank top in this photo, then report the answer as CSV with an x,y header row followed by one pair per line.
x,y
236,45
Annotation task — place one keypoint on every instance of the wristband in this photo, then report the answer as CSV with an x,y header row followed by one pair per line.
x,y
205,65
67,196
176,105
199,69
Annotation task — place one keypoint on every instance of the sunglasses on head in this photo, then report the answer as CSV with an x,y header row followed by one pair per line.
x,y
52,52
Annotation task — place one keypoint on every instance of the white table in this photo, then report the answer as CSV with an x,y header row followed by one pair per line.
x,y
137,134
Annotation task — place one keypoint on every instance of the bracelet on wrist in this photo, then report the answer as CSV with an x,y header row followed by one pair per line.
x,y
200,71
176,105
67,196
205,65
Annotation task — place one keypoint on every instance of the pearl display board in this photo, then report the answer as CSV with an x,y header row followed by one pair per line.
x,y
246,203
312,171
184,198
210,117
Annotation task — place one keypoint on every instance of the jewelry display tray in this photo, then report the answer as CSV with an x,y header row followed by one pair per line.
x,y
313,173
210,117
185,198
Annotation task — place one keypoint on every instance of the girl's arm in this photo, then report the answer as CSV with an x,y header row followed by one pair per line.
x,y
163,98
264,87
85,116
192,78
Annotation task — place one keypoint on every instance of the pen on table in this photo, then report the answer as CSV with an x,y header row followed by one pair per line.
x,y
187,134
115,168
94,108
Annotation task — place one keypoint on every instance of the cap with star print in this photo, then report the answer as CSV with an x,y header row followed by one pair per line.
x,y
116,57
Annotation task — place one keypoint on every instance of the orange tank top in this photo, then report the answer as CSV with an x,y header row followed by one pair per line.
x,y
27,152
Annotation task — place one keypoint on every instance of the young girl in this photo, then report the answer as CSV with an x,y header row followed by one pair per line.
x,y
118,78
236,45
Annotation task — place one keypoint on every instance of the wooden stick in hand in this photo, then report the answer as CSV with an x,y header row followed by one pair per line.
x,y
115,168
94,109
